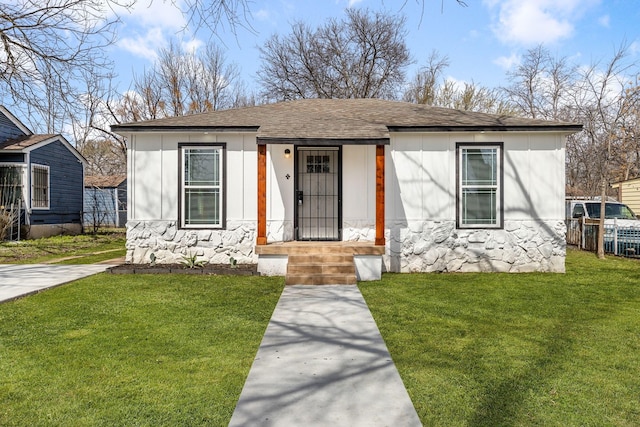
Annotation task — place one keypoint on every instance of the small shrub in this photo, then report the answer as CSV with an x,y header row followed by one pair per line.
x,y
5,223
191,261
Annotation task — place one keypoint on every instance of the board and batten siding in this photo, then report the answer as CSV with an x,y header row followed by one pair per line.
x,y
420,205
421,192
65,185
154,182
421,175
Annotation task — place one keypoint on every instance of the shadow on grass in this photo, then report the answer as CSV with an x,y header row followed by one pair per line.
x,y
502,400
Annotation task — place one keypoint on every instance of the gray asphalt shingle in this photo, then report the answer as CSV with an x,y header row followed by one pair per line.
x,y
342,119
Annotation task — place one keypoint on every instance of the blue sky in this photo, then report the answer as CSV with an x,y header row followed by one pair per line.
x,y
483,40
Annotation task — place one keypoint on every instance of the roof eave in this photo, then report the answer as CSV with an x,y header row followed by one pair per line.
x,y
570,128
181,129
323,141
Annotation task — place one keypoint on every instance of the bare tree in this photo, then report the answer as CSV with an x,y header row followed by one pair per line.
x,y
551,88
211,81
541,84
45,46
362,56
627,156
599,99
427,82
183,83
216,14
430,87
104,157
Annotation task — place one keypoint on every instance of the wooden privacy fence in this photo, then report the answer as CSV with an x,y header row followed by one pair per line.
x,y
619,239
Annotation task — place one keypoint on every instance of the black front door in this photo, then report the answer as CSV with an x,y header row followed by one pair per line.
x,y
318,202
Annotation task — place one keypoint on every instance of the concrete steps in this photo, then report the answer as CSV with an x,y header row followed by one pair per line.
x,y
321,263
320,266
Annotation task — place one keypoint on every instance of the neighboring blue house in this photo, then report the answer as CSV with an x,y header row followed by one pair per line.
x,y
105,201
41,181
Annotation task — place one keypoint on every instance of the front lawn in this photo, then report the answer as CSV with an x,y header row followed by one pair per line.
x,y
80,249
144,350
473,349
517,349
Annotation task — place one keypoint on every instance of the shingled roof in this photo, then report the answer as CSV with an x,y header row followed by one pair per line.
x,y
24,141
341,119
104,181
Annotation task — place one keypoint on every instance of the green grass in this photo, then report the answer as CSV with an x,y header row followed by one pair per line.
x,y
517,349
81,249
143,350
473,349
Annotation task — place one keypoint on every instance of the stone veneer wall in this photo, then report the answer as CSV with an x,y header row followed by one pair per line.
x,y
171,245
420,246
521,246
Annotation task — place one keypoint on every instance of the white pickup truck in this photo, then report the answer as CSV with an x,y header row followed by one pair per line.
x,y
590,209
622,226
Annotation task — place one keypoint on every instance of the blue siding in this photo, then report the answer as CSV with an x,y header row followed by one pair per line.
x,y
105,206
100,207
8,130
65,184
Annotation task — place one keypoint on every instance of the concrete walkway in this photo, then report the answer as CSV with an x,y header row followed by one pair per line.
x,y
17,280
322,362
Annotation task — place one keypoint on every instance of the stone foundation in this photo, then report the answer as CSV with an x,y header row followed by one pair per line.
x,y
429,246
419,246
171,245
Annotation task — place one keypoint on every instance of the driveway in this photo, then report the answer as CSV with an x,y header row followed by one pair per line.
x,y
18,280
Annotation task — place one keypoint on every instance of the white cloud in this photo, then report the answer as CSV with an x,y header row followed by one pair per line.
x,y
145,46
192,45
531,22
605,21
162,14
262,15
149,25
507,62
350,3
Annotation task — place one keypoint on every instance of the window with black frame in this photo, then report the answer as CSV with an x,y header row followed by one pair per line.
x,y
202,198
479,170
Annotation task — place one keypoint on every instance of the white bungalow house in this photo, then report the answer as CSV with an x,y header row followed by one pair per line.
x,y
403,187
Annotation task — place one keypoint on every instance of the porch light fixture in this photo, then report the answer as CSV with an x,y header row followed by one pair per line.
x,y
287,153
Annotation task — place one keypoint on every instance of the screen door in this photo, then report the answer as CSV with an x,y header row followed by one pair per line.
x,y
317,195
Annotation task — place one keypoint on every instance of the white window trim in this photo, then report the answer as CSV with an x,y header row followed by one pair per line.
x,y
41,208
222,206
499,186
23,172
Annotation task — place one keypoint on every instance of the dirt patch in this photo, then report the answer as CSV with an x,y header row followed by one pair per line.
x,y
210,269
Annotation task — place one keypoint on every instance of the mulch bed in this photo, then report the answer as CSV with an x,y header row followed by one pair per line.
x,y
210,269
